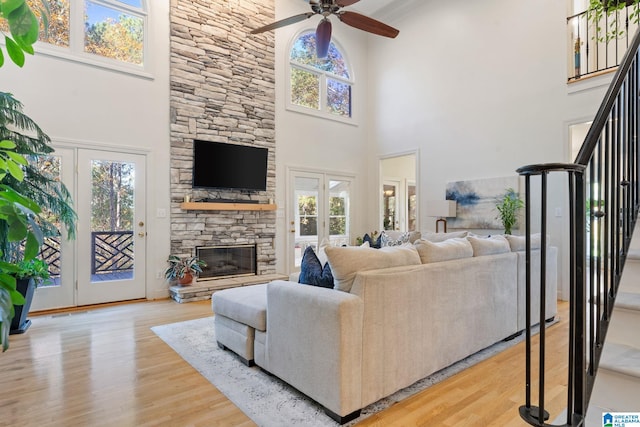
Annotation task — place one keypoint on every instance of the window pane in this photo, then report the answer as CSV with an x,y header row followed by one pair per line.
x,y
136,3
308,226
58,32
307,205
112,196
50,166
112,213
339,98
337,206
337,219
305,88
113,34
304,52
337,226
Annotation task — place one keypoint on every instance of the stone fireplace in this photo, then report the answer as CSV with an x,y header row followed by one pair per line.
x,y
222,90
227,261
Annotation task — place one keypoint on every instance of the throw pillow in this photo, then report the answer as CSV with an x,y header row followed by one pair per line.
x,y
347,261
456,248
517,243
394,238
489,246
441,237
376,244
312,272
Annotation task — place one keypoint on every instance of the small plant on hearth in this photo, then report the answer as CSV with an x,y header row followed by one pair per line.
x,y
183,269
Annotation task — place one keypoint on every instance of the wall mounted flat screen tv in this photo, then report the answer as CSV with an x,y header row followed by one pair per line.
x,y
229,166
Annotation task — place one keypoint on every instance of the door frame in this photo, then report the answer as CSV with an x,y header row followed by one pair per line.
x,y
89,291
63,144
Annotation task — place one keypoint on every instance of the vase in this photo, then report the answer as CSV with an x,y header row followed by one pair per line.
x,y
20,323
186,279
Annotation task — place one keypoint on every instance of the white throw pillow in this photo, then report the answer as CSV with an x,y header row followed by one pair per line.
x,y
345,262
455,248
517,243
489,245
441,237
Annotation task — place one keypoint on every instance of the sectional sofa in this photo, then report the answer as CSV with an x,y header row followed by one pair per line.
x,y
396,315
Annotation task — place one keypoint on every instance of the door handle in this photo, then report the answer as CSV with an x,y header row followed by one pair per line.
x,y
142,234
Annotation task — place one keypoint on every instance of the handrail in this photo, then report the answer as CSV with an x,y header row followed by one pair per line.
x,y
603,197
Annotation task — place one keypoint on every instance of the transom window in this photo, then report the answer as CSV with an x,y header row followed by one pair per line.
x,y
322,86
109,31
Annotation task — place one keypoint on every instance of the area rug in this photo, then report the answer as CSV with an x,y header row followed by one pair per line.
x,y
268,401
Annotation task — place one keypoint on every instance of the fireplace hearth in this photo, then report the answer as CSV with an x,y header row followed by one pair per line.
x,y
227,261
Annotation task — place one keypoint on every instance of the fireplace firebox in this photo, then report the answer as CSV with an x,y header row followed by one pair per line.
x,y
227,261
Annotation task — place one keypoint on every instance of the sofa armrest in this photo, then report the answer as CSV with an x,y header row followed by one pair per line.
x,y
314,343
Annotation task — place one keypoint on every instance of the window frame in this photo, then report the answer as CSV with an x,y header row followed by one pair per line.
x,y
323,112
75,51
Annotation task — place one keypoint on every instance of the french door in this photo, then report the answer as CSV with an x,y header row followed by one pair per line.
x,y
319,209
106,261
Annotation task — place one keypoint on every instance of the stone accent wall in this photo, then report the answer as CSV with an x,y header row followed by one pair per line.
x,y
222,90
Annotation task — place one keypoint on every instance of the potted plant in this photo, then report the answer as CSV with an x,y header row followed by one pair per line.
x,y
508,207
20,213
598,10
29,275
183,270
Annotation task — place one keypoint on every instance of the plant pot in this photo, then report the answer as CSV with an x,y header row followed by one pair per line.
x,y
20,323
186,280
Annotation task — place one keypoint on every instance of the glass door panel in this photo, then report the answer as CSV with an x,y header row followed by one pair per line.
x,y
112,228
339,212
305,225
389,205
57,252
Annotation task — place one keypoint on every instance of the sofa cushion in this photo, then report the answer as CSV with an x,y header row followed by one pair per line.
x,y
441,237
489,245
517,243
312,272
447,250
345,262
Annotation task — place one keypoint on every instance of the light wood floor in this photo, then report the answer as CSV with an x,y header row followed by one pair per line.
x,y
103,366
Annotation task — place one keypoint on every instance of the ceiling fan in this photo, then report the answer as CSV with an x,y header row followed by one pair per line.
x,y
323,31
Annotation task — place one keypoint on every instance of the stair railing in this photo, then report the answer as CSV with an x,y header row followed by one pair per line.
x,y
603,199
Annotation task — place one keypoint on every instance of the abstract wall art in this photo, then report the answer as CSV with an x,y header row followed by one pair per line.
x,y
476,201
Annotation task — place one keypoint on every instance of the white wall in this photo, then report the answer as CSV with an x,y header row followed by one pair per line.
x,y
480,88
81,105
308,142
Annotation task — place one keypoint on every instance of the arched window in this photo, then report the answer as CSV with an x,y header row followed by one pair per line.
x,y
322,86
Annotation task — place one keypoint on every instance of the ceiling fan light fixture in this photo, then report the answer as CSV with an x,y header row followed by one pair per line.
x,y
323,38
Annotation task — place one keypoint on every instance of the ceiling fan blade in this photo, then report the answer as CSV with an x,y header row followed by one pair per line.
x,y
283,22
345,3
367,24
